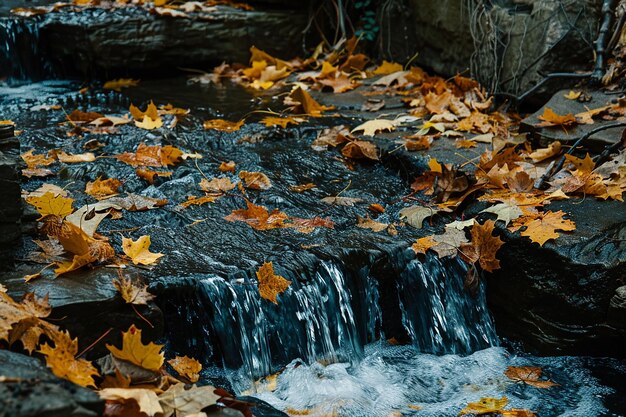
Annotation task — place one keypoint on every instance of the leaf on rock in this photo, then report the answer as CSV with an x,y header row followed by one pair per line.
x,y
255,180
75,158
505,212
486,405
550,118
136,202
517,412
332,136
192,200
258,217
152,156
51,204
283,122
309,225
217,185
34,163
227,166
103,188
186,367
359,149
22,321
415,215
387,68
304,104
483,247
367,223
148,119
134,351
341,201
529,375
89,216
150,175
139,251
132,293
130,402
423,244
78,116
302,187
542,154
270,284
223,125
120,83
371,127
179,401
544,228
61,359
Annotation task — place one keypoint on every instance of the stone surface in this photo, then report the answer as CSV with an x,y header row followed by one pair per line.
x,y
133,41
562,106
10,195
507,45
31,390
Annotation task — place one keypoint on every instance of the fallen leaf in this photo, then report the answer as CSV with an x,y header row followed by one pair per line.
x,y
78,116
359,149
544,228
227,166
309,225
255,180
341,201
304,104
387,68
23,321
486,405
152,156
217,185
198,201
103,188
150,175
529,375
132,293
139,251
258,217
51,204
270,284
187,367
415,215
483,247
542,154
371,127
302,187
88,217
550,118
367,223
223,125
281,121
572,95
179,401
134,351
120,83
505,212
61,359
136,202
75,158
131,402
423,244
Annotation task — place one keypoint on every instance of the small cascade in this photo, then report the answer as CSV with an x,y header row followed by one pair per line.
x,y
439,315
20,55
330,317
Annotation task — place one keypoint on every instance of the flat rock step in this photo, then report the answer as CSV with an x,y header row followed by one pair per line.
x,y
562,106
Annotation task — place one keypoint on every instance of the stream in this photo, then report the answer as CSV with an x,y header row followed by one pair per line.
x,y
345,340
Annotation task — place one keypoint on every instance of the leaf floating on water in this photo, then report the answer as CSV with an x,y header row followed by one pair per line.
x,y
120,83
139,251
134,351
529,375
270,284
486,405
187,367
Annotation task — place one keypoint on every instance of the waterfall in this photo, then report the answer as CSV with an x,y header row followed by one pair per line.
x,y
330,317
20,55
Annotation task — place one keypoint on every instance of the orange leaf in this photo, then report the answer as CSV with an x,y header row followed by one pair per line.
x,y
222,125
550,118
150,175
544,228
152,156
187,367
359,149
258,217
541,154
255,180
270,284
422,244
132,293
198,201
103,188
529,375
227,166
217,185
305,104
483,246
281,121
120,83
134,351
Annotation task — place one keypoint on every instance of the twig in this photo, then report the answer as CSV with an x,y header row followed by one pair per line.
x,y
557,167
88,348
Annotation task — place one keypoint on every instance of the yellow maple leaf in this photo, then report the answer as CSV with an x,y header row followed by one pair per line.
x,y
120,83
51,204
134,351
148,119
61,359
388,68
572,95
305,104
149,124
187,367
544,228
270,284
223,125
103,188
139,251
486,405
371,127
283,122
